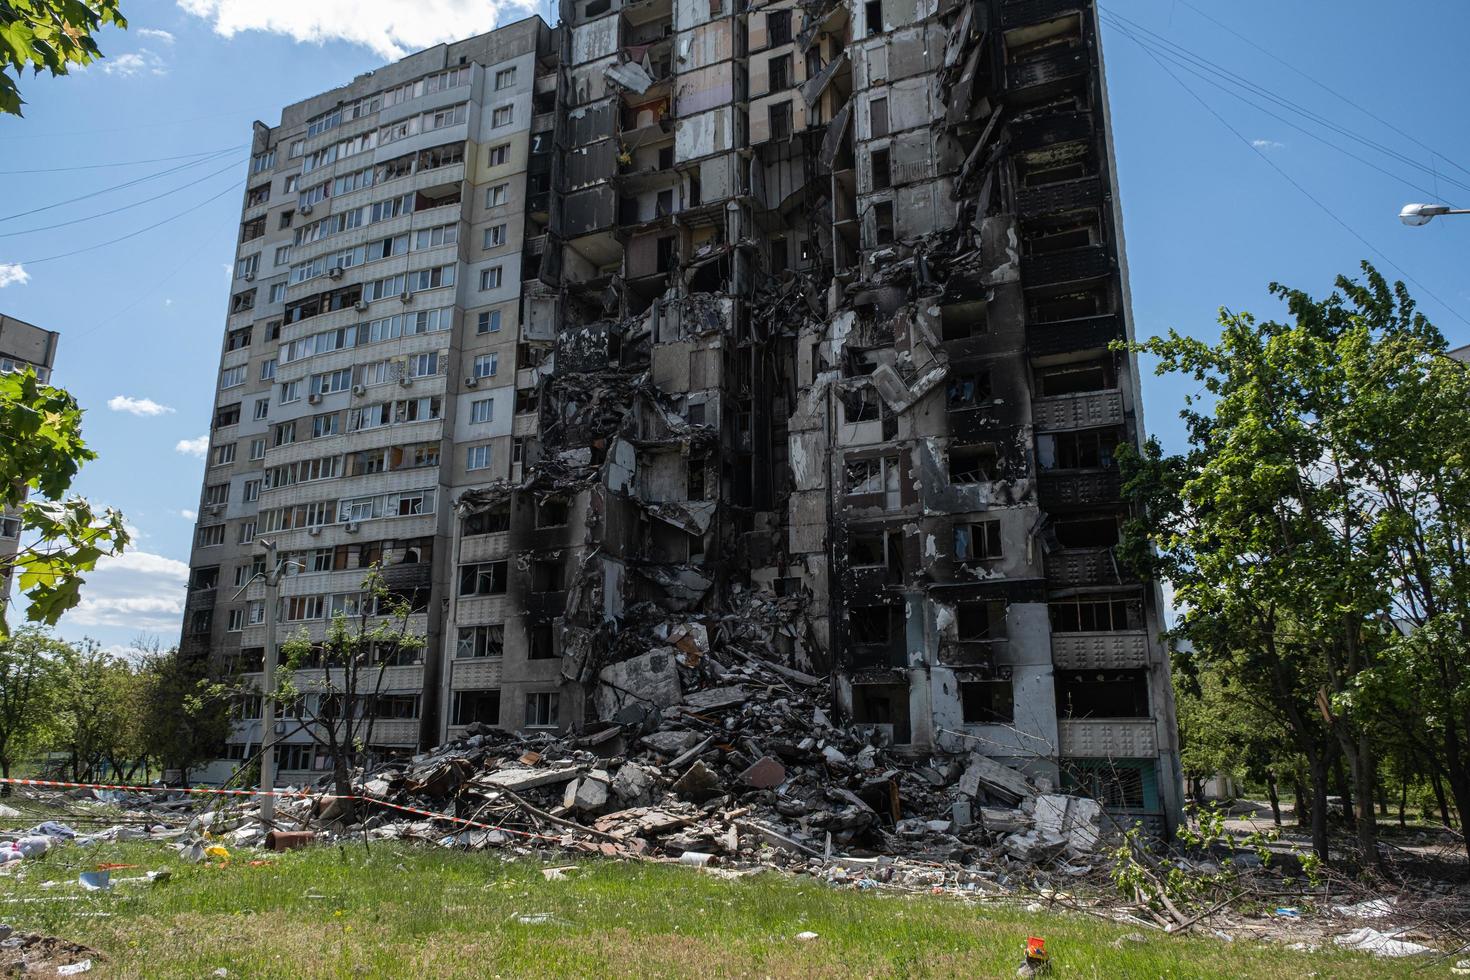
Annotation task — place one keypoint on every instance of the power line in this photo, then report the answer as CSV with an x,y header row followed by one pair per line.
x,y
1179,52
1289,179
114,187
1210,78
126,207
135,234
120,163
1326,88
134,127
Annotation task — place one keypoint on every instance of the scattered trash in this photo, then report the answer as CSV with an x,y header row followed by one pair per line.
x,y
1290,912
1381,943
537,919
94,881
286,840
1375,908
73,969
807,937
558,874
1037,959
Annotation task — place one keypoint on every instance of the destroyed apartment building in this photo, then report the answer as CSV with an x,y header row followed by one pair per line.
x,y
781,328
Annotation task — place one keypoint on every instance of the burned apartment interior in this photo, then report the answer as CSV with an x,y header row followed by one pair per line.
x,y
815,360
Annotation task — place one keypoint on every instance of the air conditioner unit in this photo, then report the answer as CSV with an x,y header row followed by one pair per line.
x,y
359,389
471,381
405,380
305,209
249,277
360,306
405,296
315,398
351,527
280,728
335,272
314,530
214,508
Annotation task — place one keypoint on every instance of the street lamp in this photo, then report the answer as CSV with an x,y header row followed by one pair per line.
x,y
1415,215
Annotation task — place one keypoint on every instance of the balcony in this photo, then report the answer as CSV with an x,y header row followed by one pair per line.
x,y
200,599
1059,198
1074,265
1024,13
1083,333
1049,130
1075,567
1070,490
1122,650
1082,410
1046,71
414,576
972,653
1115,738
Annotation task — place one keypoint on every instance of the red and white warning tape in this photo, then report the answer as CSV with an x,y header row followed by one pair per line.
x,y
287,794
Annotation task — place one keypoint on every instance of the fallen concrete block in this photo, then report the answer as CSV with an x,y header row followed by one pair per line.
x,y
764,773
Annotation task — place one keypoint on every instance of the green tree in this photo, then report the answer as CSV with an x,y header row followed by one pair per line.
x,y
41,449
50,35
183,714
30,671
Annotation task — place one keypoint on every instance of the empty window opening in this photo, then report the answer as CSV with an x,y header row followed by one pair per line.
x,y
476,707
1086,449
778,27
780,72
977,541
1065,238
1088,532
882,704
551,512
980,621
861,405
988,701
1071,379
883,222
1101,614
779,115
1102,694
961,321
968,389
878,165
1072,306
878,117
547,576
873,16
973,464
540,641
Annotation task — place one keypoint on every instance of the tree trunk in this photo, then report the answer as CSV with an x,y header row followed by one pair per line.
x,y
1403,795
1299,800
1273,796
5,788
1460,790
1344,790
343,782
1364,782
1439,797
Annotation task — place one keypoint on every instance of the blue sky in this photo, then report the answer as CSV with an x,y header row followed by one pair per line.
x,y
1209,218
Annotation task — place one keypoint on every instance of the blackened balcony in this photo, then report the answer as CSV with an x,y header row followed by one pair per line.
x,y
1049,130
1072,265
1046,71
1079,410
1083,333
971,653
1078,489
543,607
1024,13
1074,567
194,646
200,599
1059,198
415,576
867,579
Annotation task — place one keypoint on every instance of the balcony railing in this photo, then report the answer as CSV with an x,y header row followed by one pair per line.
x,y
1045,71
1084,566
1072,265
1049,130
1078,488
1023,13
1059,198
1120,650
1081,410
1083,333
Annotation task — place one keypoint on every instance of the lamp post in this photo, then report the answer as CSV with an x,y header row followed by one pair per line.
x,y
267,707
1415,215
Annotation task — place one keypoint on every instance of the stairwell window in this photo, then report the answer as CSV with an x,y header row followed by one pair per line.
x,y
491,278
502,116
489,322
477,458
486,365
505,78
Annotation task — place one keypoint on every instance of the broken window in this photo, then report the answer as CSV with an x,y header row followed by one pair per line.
x,y
878,117
861,405
979,621
883,222
1068,161
1095,614
1111,784
977,541
967,389
872,625
1087,532
476,707
551,512
716,7
961,321
695,486
878,167
779,114
780,72
778,256
664,258
1086,449
540,642
205,577
542,709
1069,379
882,549
988,701
872,475
1102,694
480,641
973,464
491,521
547,576
1072,306
484,578
778,27
1063,238
873,17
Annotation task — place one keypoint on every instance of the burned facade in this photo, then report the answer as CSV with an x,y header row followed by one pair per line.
x,y
807,351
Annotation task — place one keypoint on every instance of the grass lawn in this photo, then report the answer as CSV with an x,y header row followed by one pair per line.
x,y
417,912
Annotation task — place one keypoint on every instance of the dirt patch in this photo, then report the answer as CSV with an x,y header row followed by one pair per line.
x,y
31,954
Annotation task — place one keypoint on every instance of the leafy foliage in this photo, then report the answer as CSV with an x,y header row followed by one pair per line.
x,y
52,35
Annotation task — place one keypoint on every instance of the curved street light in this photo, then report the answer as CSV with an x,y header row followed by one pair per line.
x,y
1415,215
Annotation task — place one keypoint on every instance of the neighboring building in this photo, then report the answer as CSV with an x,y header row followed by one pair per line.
x,y
791,320
21,346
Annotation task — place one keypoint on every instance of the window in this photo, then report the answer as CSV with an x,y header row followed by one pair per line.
x,y
486,365
247,532
209,535
477,458
540,642
268,369
716,7
873,16
435,237
495,236
294,757
257,448
1115,694
969,388
290,392
235,621
861,405
780,72
262,408
247,266
779,115
237,339
9,527
278,292
489,322
973,464
232,377
878,117
978,541
285,434
331,381
491,521
977,622
505,78
285,221
485,578
304,607
217,493
497,195
480,641
1085,449
241,302
872,475
499,155
987,701
252,229
502,116
250,491
491,278
1087,532
1097,614
325,425
880,550
476,707
223,454
482,410
778,27
542,710
883,222
879,170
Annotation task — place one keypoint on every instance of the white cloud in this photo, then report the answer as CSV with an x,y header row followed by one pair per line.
x,y
193,447
391,28
140,62
13,274
1267,145
189,515
137,406
140,591
155,34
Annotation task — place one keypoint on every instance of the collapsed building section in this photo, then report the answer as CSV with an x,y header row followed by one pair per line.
x,y
813,359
